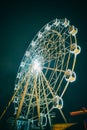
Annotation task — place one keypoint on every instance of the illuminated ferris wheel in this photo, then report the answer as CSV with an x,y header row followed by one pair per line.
x,y
45,72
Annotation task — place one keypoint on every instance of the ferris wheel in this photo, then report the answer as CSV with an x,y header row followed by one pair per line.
x,y
45,72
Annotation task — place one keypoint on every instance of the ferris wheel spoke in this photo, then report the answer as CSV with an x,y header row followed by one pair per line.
x,y
55,48
59,85
62,65
63,115
50,39
54,69
37,98
60,76
63,28
53,72
67,36
22,99
60,53
45,96
58,65
55,57
52,57
51,76
52,46
47,84
47,69
65,88
56,60
65,33
30,102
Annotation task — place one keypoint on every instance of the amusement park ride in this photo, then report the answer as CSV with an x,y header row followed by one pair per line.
x,y
45,72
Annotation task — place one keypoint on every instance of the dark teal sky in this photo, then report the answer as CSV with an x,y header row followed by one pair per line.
x,y
20,20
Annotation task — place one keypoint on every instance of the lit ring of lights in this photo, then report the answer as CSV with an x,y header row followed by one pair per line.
x,y
46,70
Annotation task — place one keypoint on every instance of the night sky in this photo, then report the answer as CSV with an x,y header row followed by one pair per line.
x,y
20,20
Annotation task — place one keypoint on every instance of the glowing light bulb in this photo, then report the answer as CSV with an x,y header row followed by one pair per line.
x,y
36,67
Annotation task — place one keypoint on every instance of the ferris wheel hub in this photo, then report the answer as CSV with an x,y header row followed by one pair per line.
x,y
36,67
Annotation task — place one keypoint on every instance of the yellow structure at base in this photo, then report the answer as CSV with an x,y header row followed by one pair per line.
x,y
62,126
